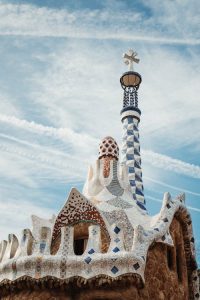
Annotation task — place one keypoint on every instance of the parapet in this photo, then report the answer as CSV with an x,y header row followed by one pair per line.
x,y
31,258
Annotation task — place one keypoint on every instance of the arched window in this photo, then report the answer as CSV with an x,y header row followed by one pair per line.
x,y
80,237
175,260
80,245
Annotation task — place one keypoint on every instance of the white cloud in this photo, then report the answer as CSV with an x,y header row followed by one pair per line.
x,y
80,90
47,155
109,23
13,171
8,104
170,164
64,134
35,158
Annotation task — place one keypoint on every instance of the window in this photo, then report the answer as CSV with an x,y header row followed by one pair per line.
x,y
179,262
80,245
170,258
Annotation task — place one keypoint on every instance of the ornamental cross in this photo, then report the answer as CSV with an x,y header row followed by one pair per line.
x,y
129,58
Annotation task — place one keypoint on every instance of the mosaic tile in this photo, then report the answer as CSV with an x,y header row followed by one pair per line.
x,y
116,249
118,202
131,170
165,220
91,251
114,270
114,187
88,259
129,132
116,230
117,240
130,156
136,266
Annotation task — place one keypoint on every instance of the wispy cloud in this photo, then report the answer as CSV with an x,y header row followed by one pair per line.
x,y
45,22
179,189
64,134
21,215
68,136
168,163
67,166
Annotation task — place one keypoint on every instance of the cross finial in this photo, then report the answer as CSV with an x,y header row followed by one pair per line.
x,y
129,58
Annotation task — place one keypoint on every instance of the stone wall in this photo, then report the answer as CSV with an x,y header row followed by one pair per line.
x,y
166,278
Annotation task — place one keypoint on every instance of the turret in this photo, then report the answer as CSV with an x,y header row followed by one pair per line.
x,y
130,117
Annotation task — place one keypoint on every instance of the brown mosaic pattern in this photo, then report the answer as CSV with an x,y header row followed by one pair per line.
x,y
108,147
185,219
77,209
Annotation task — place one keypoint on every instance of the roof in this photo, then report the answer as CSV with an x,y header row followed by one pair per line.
x,y
65,266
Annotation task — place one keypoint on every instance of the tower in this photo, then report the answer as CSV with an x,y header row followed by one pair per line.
x,y
130,117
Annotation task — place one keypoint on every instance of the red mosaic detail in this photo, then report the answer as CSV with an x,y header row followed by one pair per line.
x,y
106,165
77,208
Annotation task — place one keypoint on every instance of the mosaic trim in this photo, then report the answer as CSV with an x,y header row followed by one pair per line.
x,y
114,187
66,248
119,202
131,157
37,223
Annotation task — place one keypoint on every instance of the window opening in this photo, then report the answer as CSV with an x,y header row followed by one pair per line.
x,y
170,258
179,263
80,245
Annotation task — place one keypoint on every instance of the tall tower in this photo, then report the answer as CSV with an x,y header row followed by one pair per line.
x,y
130,117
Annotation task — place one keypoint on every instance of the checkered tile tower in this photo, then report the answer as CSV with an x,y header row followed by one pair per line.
x,y
130,116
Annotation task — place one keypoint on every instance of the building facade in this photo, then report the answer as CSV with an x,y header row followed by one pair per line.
x,y
103,244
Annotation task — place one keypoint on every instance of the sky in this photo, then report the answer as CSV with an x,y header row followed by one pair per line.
x,y
60,65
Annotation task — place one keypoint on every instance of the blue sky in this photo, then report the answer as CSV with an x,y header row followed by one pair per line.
x,y
60,95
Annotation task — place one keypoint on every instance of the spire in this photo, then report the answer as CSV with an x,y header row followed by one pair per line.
x,y
130,117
